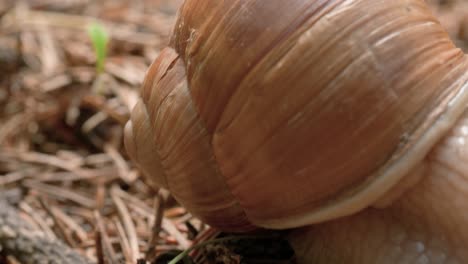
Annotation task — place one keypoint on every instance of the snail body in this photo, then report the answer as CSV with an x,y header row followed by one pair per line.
x,y
282,114
425,224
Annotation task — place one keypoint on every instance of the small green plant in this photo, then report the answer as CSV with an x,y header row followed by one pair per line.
x,y
99,39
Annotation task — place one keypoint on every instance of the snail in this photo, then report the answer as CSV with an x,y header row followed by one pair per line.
x,y
340,120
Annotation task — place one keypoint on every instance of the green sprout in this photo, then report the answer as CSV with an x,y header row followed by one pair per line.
x,y
99,39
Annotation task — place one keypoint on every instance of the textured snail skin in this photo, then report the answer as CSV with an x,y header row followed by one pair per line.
x,y
427,224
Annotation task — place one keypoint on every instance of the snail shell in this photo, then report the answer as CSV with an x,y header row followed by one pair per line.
x,y
288,113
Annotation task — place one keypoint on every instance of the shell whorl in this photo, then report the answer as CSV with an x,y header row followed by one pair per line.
x,y
173,147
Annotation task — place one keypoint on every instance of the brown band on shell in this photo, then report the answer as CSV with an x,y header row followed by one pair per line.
x,y
322,116
140,138
156,71
183,145
222,41
283,119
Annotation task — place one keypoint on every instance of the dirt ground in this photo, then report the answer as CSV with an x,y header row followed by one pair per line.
x,y
68,188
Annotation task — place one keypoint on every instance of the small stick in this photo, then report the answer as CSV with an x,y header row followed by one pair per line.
x,y
158,216
174,212
106,173
37,219
124,215
134,200
61,192
124,244
10,126
174,232
97,160
49,55
93,122
101,104
70,222
30,18
124,171
12,177
45,159
101,192
103,245
60,226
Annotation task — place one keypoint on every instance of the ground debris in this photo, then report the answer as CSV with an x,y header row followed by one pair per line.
x,y
68,188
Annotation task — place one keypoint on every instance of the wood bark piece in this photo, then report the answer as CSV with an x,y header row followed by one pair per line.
x,y
19,239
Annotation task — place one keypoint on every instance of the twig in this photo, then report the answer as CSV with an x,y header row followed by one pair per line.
x,y
11,125
101,193
100,104
105,252
127,222
158,216
37,218
61,192
49,55
29,18
60,226
102,174
12,177
173,231
55,83
40,158
70,222
97,160
134,200
93,122
124,243
124,171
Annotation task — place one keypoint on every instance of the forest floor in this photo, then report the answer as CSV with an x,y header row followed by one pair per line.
x,y
65,177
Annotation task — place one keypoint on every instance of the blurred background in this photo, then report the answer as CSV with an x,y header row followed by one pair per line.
x,y
70,72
